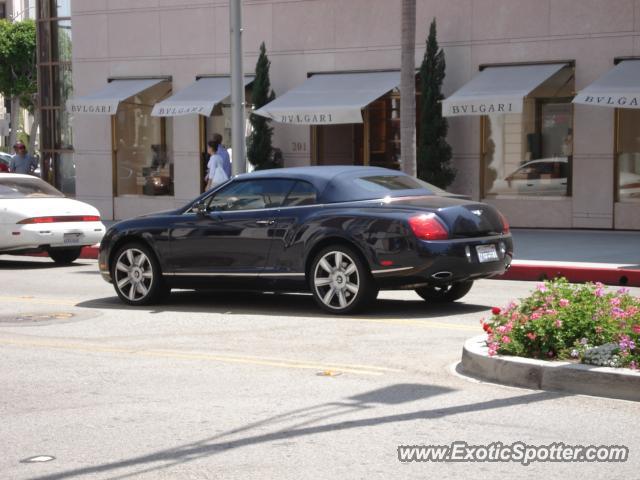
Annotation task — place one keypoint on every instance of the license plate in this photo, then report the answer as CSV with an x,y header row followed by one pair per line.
x,y
487,253
71,238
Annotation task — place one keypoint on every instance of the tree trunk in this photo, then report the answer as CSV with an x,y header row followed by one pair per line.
x,y
15,121
408,88
33,131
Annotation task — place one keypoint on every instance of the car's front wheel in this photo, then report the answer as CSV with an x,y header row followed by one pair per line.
x,y
445,293
64,256
340,281
137,276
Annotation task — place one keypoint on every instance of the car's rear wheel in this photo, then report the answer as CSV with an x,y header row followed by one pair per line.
x,y
445,293
64,256
137,276
340,281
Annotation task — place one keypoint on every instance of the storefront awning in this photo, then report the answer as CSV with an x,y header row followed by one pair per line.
x,y
618,88
498,89
330,98
106,100
198,98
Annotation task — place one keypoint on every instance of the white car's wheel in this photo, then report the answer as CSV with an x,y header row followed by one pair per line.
x,y
64,256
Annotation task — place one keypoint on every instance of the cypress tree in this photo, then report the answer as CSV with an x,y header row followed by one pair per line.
x,y
259,151
434,153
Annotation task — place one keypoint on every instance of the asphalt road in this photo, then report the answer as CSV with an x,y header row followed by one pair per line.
x,y
245,386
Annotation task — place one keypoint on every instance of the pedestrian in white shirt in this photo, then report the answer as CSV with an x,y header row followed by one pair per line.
x,y
215,168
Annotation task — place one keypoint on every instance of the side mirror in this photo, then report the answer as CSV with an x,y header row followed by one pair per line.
x,y
200,208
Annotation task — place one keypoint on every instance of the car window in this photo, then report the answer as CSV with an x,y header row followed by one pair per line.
x,y
386,184
26,188
302,193
250,195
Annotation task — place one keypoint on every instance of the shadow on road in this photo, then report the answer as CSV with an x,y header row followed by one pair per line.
x,y
304,422
31,265
296,305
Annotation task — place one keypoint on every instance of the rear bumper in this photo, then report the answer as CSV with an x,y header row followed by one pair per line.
x,y
61,235
444,262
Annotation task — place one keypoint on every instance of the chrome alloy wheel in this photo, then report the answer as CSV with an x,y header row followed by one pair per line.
x,y
133,274
336,280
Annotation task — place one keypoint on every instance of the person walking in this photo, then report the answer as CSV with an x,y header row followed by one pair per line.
x,y
215,168
22,162
222,151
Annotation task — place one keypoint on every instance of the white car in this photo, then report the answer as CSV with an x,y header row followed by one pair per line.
x,y
34,216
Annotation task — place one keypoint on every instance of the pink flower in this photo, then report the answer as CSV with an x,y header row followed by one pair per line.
x,y
535,315
558,323
623,291
633,365
564,302
541,287
636,329
551,311
506,339
532,336
599,329
614,302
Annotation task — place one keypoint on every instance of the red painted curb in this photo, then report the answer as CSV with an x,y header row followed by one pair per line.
x,y
90,253
608,276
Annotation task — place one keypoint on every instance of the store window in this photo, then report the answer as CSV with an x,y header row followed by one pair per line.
x,y
530,153
628,155
143,150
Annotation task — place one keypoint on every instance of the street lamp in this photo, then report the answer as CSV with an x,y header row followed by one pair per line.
x,y
238,146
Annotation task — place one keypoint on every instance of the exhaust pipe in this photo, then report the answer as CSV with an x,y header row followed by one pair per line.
x,y
442,275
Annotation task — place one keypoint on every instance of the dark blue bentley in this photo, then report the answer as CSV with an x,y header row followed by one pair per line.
x,y
343,233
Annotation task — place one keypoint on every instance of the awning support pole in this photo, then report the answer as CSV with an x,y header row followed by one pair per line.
x,y
238,143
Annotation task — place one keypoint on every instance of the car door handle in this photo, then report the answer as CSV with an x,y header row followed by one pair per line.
x,y
265,222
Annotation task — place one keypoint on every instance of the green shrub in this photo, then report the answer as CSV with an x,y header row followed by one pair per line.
x,y
564,321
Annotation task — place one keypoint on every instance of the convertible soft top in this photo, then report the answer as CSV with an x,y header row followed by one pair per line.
x,y
347,183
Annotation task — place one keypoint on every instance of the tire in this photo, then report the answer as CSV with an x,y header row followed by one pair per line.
x,y
446,293
64,256
340,280
137,276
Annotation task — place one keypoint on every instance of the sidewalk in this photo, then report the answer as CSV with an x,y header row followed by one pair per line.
x,y
603,256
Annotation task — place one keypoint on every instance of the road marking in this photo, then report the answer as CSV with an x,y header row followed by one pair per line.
x,y
281,363
40,301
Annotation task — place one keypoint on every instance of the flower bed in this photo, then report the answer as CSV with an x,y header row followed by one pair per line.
x,y
564,321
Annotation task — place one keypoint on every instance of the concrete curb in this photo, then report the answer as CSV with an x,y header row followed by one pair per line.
x,y
618,383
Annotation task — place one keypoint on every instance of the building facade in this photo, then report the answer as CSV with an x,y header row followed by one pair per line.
x,y
514,67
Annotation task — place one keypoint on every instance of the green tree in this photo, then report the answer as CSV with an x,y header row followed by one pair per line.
x,y
260,150
18,73
434,153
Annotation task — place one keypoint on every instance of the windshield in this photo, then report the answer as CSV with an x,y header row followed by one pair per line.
x,y
26,188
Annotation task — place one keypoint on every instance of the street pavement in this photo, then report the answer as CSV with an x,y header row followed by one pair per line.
x,y
243,386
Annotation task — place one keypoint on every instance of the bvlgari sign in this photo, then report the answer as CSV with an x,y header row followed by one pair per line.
x,y
306,118
95,108
482,108
611,100
487,106
168,110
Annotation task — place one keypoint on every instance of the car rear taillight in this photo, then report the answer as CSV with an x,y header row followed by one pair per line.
x,y
58,219
428,227
505,223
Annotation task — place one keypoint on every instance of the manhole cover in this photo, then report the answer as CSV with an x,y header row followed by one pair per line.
x,y
35,317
